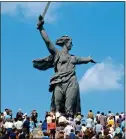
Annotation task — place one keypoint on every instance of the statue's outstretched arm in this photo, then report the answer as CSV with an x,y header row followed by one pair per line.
x,y
84,60
46,39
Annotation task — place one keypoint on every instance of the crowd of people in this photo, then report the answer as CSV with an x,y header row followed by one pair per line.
x,y
60,126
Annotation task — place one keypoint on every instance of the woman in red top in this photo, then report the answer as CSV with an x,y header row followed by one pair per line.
x,y
52,127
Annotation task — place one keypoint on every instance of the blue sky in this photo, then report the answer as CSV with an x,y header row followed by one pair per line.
x,y
96,28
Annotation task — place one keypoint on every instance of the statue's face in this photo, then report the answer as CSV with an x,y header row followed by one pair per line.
x,y
69,45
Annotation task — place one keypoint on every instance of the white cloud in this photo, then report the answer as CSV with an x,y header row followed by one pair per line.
x,y
102,76
31,9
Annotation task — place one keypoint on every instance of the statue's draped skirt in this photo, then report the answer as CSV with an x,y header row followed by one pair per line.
x,y
64,85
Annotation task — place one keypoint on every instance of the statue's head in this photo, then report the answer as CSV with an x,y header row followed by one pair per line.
x,y
65,40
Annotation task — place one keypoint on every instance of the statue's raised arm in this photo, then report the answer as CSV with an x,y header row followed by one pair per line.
x,y
45,37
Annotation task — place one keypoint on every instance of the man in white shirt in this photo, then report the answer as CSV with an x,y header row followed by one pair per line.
x,y
67,130
19,124
8,124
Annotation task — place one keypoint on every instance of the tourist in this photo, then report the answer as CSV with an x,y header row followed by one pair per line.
x,y
67,129
78,126
40,125
19,124
32,126
98,128
98,115
89,122
26,126
90,114
52,128
102,119
83,119
72,134
34,116
13,135
8,126
111,121
44,125
19,114
119,120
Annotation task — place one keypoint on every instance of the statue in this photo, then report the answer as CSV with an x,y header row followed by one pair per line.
x,y
63,85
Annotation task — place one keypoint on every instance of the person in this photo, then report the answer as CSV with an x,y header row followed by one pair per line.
x,y
89,122
118,129
60,135
49,120
67,129
98,127
31,126
60,127
90,114
123,124
72,122
111,121
77,135
34,116
13,135
19,124
78,117
83,119
1,126
78,126
98,115
8,126
116,117
123,132
40,125
72,135
26,125
19,114
111,130
109,113
64,85
52,129
44,125
7,115
119,120
22,135
102,119
83,128
5,112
